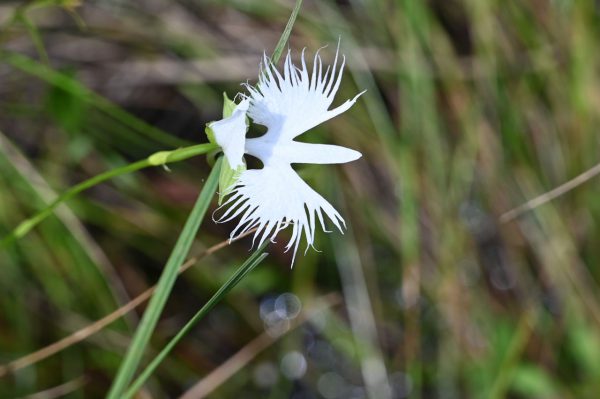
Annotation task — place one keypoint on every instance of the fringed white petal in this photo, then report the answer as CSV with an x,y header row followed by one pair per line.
x,y
230,134
274,197
291,104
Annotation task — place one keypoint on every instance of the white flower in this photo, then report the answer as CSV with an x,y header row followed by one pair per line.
x,y
275,196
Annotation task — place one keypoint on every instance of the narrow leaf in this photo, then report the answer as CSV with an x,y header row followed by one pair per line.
x,y
246,268
163,288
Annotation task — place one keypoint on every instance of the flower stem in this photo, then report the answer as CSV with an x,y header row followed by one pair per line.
x,y
157,159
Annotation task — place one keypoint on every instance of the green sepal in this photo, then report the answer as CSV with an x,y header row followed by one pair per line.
x,y
228,106
227,179
210,134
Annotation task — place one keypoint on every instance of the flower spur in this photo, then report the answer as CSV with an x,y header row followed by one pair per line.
x,y
273,197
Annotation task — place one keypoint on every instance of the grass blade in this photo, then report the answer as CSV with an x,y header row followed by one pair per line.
x,y
246,268
164,286
286,33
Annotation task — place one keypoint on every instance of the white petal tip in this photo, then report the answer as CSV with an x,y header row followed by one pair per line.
x,y
355,155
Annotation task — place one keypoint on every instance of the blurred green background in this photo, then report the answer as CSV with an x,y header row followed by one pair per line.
x,y
472,108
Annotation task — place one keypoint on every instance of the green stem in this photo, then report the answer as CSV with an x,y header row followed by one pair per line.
x,y
157,159
164,286
246,268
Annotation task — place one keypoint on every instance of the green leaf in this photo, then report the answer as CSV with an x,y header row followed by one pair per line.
x,y
240,273
164,286
286,33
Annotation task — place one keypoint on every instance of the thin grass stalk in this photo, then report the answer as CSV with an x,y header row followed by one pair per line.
x,y
246,268
286,33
